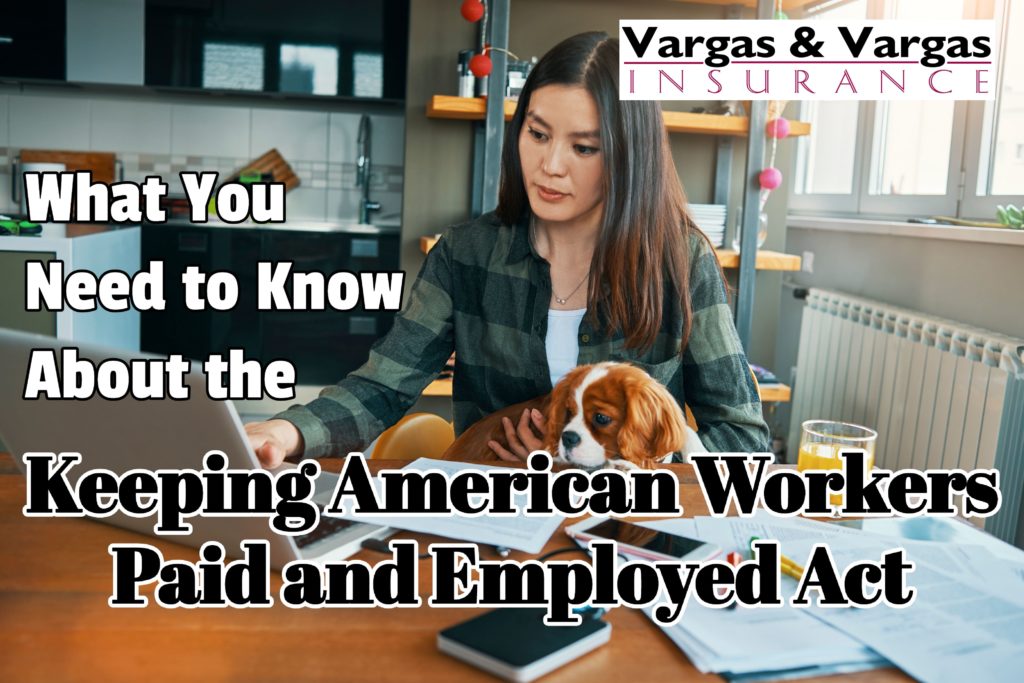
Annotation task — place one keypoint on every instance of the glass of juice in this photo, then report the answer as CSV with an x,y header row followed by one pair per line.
x,y
821,442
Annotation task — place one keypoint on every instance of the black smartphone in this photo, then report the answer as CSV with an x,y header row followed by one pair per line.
x,y
650,544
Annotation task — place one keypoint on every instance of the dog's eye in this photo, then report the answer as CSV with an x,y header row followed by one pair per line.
x,y
601,419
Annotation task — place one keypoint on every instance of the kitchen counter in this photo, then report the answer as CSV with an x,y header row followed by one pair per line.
x,y
60,238
351,227
94,247
56,237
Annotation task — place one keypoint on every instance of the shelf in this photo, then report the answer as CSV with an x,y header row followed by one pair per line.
x,y
766,260
772,393
473,109
463,108
787,5
775,393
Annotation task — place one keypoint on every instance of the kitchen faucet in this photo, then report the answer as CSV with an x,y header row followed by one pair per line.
x,y
363,170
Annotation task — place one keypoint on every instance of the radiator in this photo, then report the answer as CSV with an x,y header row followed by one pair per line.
x,y
940,394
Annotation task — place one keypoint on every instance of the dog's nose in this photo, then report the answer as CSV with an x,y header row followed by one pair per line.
x,y
570,439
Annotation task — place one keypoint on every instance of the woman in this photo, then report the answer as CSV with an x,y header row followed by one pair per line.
x,y
589,256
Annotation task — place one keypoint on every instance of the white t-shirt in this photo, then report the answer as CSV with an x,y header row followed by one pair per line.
x,y
561,342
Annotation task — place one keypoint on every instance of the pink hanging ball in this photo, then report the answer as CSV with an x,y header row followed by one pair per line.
x,y
770,178
777,128
480,65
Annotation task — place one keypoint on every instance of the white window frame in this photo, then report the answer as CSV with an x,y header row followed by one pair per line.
x,y
969,130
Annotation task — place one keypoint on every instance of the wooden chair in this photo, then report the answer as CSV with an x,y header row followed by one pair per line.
x,y
417,435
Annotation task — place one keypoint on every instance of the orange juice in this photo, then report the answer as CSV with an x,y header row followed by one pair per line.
x,y
825,456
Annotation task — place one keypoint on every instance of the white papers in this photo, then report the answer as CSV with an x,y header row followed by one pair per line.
x,y
757,640
965,624
519,532
745,640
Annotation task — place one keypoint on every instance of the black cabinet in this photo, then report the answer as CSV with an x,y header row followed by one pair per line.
x,y
326,345
355,48
323,346
32,40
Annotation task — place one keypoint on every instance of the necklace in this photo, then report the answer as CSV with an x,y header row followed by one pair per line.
x,y
560,300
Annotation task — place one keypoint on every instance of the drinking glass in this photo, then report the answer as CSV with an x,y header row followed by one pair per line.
x,y
822,441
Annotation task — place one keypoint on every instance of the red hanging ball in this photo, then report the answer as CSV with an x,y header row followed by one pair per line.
x,y
472,10
480,65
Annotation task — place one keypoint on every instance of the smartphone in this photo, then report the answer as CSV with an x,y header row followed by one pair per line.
x,y
641,541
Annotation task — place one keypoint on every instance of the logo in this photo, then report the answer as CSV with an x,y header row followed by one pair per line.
x,y
793,60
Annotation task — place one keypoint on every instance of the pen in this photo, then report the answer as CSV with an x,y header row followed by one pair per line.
x,y
788,566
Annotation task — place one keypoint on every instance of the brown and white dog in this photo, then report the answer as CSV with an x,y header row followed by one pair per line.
x,y
604,415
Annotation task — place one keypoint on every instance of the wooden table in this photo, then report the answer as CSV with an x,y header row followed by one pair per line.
x,y
55,577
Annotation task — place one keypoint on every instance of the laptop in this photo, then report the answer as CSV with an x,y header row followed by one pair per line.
x,y
129,434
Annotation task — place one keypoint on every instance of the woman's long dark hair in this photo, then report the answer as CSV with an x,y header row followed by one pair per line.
x,y
646,228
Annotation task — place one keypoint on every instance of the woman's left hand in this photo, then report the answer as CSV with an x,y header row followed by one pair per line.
x,y
523,437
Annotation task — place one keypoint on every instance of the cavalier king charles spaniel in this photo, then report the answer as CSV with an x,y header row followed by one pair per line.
x,y
603,415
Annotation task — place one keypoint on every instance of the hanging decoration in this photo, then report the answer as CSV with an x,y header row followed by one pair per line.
x,y
472,10
770,178
481,64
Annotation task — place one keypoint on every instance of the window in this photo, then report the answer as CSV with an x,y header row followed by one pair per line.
x,y
906,158
1002,170
827,158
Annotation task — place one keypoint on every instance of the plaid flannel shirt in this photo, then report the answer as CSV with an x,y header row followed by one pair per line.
x,y
483,291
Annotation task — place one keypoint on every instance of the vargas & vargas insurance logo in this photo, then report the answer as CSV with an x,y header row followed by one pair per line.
x,y
753,59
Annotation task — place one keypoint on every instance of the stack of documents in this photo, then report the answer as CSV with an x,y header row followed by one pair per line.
x,y
965,623
747,644
517,532
710,218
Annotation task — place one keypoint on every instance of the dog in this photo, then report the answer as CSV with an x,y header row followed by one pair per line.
x,y
604,415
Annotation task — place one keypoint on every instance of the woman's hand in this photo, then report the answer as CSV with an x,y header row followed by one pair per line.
x,y
273,441
523,438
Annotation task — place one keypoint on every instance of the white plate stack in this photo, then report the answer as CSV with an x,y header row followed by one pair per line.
x,y
710,218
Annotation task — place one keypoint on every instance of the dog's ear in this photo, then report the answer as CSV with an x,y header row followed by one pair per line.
x,y
654,424
558,404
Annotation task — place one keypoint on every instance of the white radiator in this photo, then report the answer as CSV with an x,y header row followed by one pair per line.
x,y
939,393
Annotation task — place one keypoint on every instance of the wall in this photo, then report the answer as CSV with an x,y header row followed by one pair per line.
x,y
971,282
974,283
435,200
164,133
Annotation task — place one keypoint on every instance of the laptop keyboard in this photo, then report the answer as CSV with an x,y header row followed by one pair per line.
x,y
326,527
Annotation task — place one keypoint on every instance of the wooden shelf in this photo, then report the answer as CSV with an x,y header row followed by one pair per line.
x,y
775,393
473,108
772,393
463,108
787,5
766,260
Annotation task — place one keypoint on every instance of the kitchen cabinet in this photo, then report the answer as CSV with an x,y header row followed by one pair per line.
x,y
356,48
32,40
323,346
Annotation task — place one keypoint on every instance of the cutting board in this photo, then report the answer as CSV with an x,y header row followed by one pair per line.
x,y
100,163
273,162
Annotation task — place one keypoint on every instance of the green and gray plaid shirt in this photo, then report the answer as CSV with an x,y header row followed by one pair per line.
x,y
483,291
